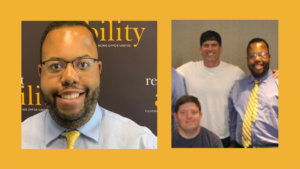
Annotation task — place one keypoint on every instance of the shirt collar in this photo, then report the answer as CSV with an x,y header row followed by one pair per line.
x,y
89,130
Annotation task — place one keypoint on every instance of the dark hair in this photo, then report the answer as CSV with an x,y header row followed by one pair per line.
x,y
254,40
185,99
60,24
210,35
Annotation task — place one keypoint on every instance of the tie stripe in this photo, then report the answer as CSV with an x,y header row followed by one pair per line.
x,y
250,116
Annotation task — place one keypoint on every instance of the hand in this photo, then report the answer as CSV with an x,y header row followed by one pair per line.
x,y
275,73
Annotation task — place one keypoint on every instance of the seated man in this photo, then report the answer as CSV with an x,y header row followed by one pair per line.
x,y
70,84
253,101
189,133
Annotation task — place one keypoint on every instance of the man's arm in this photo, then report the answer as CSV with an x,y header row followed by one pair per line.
x,y
232,121
178,86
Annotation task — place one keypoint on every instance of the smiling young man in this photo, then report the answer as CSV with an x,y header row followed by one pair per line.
x,y
70,79
253,102
189,133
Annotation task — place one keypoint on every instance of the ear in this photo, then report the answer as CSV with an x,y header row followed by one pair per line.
x,y
40,69
200,49
100,67
175,116
200,115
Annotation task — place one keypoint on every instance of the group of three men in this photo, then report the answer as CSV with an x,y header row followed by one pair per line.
x,y
240,111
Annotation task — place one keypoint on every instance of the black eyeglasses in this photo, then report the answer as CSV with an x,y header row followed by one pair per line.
x,y
59,65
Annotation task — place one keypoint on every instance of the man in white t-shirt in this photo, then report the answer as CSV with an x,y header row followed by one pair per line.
x,y
211,80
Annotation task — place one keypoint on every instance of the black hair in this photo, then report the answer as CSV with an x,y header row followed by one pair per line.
x,y
60,24
210,35
254,40
185,99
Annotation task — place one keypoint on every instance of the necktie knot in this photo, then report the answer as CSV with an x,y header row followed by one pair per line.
x,y
257,81
71,137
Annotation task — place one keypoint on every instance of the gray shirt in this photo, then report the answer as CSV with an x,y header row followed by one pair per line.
x,y
205,139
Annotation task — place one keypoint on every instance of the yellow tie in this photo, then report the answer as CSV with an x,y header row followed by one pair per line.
x,y
250,116
71,136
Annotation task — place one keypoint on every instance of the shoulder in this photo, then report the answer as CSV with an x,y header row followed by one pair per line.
x,y
274,80
209,133
175,134
33,131
241,84
230,66
213,139
233,69
176,76
35,121
270,84
177,140
189,66
127,130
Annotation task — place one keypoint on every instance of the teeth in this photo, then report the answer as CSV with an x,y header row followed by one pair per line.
x,y
210,54
70,96
258,66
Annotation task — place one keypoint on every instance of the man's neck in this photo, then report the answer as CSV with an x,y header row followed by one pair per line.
x,y
189,134
73,124
211,64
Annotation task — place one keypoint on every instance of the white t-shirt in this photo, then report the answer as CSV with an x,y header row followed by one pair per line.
x,y
212,87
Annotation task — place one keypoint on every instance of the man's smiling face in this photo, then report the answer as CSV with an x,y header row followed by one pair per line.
x,y
71,94
258,59
211,51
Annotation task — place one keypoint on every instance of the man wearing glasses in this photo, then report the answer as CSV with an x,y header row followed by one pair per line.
x,y
253,102
70,81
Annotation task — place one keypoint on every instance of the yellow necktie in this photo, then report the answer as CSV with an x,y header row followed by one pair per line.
x,y
250,116
71,136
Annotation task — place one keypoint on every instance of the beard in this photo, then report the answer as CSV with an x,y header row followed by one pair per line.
x,y
80,118
259,74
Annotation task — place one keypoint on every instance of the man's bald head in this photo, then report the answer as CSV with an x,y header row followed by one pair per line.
x,y
60,24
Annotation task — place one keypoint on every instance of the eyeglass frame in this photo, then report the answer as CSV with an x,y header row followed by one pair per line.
x,y
253,55
72,61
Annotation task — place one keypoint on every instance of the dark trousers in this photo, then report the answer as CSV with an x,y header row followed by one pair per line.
x,y
226,142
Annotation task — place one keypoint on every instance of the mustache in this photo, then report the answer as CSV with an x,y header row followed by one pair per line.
x,y
85,89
